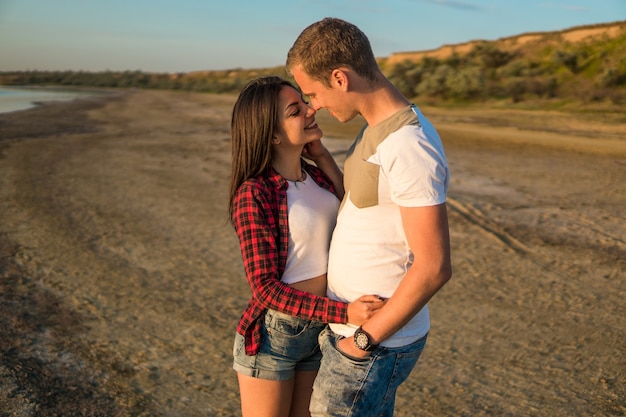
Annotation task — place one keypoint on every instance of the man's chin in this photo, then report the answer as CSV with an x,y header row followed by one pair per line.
x,y
339,119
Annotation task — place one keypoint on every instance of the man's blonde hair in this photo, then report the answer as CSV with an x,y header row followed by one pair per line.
x,y
329,44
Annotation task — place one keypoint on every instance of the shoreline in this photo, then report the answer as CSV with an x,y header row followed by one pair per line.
x,y
16,98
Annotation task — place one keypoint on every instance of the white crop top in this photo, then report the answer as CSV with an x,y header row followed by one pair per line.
x,y
312,217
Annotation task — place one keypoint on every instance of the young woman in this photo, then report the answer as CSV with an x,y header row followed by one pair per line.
x,y
283,210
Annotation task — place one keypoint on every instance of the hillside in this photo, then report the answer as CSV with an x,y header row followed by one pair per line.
x,y
523,43
581,66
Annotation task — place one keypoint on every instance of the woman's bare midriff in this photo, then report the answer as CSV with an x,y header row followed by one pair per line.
x,y
316,286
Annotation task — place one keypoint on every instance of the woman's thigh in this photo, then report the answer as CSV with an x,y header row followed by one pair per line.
x,y
302,390
265,397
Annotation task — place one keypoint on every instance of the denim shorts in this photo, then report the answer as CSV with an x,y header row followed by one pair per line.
x,y
289,345
348,386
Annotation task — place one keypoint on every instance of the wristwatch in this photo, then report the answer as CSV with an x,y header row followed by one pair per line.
x,y
363,340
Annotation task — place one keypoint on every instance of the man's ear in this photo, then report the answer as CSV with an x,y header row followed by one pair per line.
x,y
339,79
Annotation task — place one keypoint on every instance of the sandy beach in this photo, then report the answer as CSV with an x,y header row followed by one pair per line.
x,y
121,282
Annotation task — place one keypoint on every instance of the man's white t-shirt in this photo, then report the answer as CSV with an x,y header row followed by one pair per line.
x,y
400,162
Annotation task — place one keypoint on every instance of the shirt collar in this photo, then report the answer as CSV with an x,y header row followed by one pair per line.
x,y
276,178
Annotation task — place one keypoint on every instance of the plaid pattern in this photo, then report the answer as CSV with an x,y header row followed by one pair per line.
x,y
261,223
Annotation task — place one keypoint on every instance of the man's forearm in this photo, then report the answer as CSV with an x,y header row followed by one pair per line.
x,y
410,297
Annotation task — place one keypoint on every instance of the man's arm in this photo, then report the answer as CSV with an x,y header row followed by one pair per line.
x,y
426,229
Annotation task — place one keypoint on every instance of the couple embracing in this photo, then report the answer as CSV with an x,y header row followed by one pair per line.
x,y
341,265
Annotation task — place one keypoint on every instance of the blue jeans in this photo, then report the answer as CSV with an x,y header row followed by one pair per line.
x,y
289,345
351,387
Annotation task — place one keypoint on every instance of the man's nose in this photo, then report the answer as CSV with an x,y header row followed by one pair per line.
x,y
314,104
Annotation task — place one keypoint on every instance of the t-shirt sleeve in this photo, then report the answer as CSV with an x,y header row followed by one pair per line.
x,y
415,165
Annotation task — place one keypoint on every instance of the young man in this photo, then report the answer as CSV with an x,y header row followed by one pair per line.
x,y
391,237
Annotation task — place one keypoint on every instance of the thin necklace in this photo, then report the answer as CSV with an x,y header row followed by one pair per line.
x,y
301,179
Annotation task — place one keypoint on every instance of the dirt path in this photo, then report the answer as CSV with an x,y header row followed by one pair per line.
x,y
121,280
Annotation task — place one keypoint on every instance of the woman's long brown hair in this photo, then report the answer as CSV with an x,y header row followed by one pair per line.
x,y
254,121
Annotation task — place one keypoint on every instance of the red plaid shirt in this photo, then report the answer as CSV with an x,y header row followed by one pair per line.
x,y
261,223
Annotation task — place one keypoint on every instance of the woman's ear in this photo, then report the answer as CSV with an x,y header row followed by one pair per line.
x,y
275,140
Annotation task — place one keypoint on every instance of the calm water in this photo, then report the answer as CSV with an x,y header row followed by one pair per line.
x,y
21,98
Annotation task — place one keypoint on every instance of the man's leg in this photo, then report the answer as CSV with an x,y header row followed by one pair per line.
x,y
348,386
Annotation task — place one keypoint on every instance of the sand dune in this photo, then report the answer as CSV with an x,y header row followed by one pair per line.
x,y
121,281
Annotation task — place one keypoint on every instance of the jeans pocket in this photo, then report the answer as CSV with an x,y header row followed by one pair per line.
x,y
283,325
351,358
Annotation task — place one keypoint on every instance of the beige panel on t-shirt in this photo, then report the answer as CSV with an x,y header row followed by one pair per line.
x,y
361,176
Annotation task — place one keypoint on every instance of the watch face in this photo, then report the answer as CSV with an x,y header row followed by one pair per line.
x,y
361,340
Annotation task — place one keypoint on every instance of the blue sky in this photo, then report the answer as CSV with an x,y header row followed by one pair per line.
x,y
192,35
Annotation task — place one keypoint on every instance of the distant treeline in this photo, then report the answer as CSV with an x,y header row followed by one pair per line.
x,y
225,81
549,69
